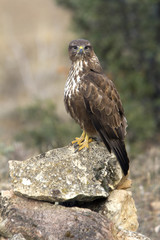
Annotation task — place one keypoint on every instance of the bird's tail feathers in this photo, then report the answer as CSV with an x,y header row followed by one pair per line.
x,y
119,150
118,147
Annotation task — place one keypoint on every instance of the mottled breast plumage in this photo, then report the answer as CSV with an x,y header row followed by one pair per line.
x,y
72,90
73,80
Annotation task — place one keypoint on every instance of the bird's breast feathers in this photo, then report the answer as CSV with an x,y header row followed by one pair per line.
x,y
74,78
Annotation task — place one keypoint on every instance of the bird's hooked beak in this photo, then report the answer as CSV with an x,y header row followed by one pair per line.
x,y
80,50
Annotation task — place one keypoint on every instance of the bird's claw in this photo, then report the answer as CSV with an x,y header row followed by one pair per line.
x,y
82,142
79,140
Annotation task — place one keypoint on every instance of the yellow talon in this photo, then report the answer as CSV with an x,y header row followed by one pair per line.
x,y
80,139
85,143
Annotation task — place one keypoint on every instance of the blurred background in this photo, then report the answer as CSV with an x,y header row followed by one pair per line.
x,y
34,64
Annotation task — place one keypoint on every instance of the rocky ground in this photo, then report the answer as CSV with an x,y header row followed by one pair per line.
x,y
145,174
87,188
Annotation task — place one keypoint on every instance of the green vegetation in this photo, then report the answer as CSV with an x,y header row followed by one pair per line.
x,y
126,36
5,150
41,128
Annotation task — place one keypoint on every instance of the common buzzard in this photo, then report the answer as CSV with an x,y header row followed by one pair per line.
x,y
93,101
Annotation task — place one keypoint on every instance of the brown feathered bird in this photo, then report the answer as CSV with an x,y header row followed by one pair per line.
x,y
93,101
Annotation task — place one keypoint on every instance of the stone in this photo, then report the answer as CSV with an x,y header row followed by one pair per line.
x,y
155,206
129,235
65,174
157,229
18,236
82,195
4,173
31,219
22,218
120,208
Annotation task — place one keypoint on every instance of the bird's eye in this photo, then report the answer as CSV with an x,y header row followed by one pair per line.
x,y
74,47
86,47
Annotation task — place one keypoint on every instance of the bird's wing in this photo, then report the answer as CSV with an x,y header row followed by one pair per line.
x,y
105,109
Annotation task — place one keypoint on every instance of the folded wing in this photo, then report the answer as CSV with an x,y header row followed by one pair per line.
x,y
105,110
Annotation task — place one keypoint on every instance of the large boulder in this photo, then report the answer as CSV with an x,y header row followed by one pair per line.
x,y
46,221
66,194
23,219
65,174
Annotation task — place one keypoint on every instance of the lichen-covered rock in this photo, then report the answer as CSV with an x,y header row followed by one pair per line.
x,y
63,174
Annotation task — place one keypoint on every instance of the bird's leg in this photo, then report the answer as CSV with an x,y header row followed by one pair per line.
x,y
79,140
86,142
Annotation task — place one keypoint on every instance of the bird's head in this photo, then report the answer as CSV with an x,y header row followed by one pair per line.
x,y
80,49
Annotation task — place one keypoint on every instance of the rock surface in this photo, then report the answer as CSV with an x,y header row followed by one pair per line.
x,y
22,218
46,221
18,236
63,174
81,193
120,208
4,173
128,235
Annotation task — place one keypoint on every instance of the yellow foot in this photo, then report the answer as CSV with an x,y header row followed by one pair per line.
x,y
85,143
80,139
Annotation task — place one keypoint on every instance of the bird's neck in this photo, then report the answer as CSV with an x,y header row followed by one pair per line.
x,y
81,66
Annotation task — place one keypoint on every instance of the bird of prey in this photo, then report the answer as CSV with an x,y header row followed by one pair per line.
x,y
93,101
